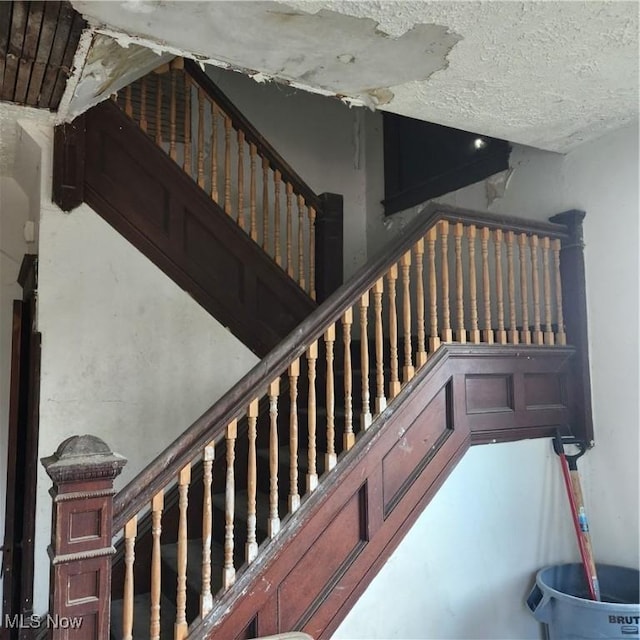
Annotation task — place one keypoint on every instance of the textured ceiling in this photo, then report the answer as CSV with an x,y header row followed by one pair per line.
x,y
546,74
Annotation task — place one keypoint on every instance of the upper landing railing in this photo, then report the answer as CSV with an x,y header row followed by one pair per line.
x,y
204,132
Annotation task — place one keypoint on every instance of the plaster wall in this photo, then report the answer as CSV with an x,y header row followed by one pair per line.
x,y
464,569
321,138
14,212
126,354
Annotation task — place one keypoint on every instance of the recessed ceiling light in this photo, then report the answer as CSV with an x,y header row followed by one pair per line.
x,y
479,143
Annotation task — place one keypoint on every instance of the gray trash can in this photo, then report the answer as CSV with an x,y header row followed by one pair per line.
x,y
560,599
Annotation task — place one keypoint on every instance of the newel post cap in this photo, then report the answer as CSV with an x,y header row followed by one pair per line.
x,y
83,458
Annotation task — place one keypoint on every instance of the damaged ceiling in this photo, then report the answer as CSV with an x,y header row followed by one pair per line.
x,y
38,42
546,74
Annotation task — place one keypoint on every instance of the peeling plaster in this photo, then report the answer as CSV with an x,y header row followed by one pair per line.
x,y
108,66
289,43
546,74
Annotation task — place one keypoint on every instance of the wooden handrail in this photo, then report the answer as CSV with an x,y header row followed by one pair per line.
x,y
212,424
252,135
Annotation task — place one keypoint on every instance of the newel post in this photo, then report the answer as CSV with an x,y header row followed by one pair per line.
x,y
82,470
68,164
574,307
329,246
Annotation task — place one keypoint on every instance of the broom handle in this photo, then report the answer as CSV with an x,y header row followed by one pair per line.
x,y
585,536
574,493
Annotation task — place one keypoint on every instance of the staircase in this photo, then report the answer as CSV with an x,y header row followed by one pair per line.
x,y
274,510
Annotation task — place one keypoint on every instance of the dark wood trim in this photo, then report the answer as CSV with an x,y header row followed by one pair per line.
x,y
574,305
210,426
11,556
82,470
69,163
265,149
22,450
446,183
149,200
329,246
349,526
494,221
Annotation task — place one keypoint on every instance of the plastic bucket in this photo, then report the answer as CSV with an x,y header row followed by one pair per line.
x,y
560,599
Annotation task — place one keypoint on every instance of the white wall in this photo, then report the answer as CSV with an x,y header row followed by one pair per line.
x,y
322,139
464,569
126,354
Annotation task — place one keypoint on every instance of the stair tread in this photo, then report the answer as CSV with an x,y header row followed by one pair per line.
x,y
194,562
142,616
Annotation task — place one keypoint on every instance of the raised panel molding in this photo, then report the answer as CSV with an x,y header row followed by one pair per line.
x,y
345,530
489,393
544,391
415,447
326,561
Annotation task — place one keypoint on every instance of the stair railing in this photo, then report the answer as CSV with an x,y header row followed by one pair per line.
x,y
451,276
188,116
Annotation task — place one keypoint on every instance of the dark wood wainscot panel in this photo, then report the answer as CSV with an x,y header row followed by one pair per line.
x,y
347,529
143,194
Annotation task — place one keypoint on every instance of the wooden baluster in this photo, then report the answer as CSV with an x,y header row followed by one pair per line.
x,y
394,383
289,229
157,505
348,438
240,217
511,288
312,473
143,104
253,225
301,278
461,333
487,332
130,531
172,117
421,355
434,338
525,336
206,596
330,457
180,627
128,104
561,336
274,517
548,328
251,547
201,99
186,161
229,571
312,252
294,496
227,164
365,417
276,217
158,109
381,400
265,204
501,334
474,332
214,152
408,370
535,285
447,333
